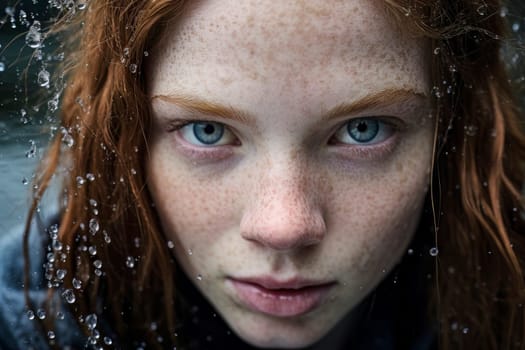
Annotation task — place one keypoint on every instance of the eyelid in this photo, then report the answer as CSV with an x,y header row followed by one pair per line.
x,y
176,125
392,124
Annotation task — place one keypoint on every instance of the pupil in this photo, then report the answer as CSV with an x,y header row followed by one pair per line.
x,y
362,127
209,129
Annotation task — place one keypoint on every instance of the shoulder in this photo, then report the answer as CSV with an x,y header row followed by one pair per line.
x,y
15,329
19,327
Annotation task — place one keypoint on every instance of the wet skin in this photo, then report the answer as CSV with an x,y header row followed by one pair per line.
x,y
254,169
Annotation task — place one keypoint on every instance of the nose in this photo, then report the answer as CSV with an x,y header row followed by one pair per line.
x,y
285,214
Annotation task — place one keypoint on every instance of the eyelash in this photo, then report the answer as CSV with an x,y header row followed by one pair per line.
x,y
387,128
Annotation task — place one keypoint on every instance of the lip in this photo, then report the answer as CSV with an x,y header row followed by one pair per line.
x,y
288,298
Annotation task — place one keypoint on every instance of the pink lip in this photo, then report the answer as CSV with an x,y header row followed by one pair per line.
x,y
289,298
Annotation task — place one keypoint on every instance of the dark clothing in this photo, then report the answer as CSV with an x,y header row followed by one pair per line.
x,y
392,317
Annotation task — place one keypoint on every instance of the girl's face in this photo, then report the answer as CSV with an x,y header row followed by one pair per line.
x,y
290,157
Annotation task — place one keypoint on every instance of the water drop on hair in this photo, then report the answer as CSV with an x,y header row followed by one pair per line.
x,y
97,264
77,284
69,296
434,251
33,36
130,262
61,273
41,314
30,315
91,321
43,78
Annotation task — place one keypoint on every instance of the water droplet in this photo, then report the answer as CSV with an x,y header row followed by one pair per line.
x,y
67,139
93,226
77,284
471,130
133,171
170,244
199,277
98,272
30,315
465,330
31,153
53,230
97,264
92,250
52,105
43,78
50,257
33,36
126,51
81,4
130,262
107,239
515,27
90,177
504,11
69,296
410,251
24,181
108,341
80,180
437,50
56,245
190,252
2,66
41,314
60,315
434,251
146,53
454,326
133,68
51,335
61,273
91,321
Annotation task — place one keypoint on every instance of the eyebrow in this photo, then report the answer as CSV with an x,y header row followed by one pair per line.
x,y
374,100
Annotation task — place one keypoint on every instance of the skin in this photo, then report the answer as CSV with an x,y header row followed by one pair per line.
x,y
278,196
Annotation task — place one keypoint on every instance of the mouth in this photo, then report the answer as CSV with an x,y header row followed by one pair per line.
x,y
290,298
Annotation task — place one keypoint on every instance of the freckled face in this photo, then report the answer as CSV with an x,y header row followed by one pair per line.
x,y
290,154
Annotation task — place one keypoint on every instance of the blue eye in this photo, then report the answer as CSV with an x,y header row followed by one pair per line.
x,y
363,131
206,134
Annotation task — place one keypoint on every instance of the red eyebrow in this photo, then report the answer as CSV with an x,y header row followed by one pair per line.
x,y
373,100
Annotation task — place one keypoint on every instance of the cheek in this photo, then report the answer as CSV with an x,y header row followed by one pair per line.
x,y
373,217
192,210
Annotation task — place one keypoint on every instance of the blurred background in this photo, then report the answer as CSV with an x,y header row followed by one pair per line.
x,y
30,92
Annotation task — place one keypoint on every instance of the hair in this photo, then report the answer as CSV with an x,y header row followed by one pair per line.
x,y
476,200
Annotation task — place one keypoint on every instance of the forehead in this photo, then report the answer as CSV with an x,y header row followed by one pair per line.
x,y
288,46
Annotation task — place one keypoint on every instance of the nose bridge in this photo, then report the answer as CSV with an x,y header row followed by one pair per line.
x,y
284,211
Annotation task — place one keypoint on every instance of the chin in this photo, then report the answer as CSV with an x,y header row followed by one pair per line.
x,y
281,335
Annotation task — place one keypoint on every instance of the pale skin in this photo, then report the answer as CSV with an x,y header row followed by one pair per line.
x,y
286,191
